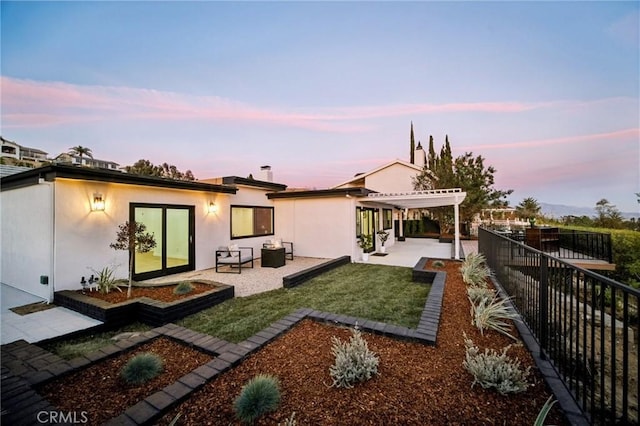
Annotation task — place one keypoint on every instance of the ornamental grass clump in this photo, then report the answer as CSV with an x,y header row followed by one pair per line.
x,y
259,395
141,368
474,270
184,287
492,314
354,361
476,294
491,369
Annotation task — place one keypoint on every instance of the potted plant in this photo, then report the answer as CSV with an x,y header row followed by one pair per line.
x,y
365,242
383,236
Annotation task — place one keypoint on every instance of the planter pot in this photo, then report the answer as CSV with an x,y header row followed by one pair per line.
x,y
365,257
383,249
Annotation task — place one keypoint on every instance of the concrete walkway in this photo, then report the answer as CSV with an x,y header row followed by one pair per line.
x,y
408,252
37,326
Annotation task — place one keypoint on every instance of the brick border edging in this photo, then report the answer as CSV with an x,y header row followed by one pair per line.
x,y
227,354
300,277
144,309
565,398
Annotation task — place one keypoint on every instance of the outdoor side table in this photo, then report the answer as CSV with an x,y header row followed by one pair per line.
x,y
272,257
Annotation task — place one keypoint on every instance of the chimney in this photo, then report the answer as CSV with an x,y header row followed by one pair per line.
x,y
265,174
420,157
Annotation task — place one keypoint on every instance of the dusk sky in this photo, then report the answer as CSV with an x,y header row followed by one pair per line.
x,y
547,92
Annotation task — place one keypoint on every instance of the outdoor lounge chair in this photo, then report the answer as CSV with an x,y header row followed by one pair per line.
x,y
233,257
276,243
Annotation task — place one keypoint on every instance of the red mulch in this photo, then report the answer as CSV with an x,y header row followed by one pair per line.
x,y
102,394
417,384
162,293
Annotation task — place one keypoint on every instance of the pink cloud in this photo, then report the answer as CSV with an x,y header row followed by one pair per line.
x,y
26,102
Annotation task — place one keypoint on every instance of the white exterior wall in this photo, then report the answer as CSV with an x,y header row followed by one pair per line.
x,y
318,227
395,178
254,197
27,235
83,236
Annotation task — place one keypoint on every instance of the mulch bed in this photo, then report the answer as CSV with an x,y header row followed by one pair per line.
x,y
417,384
102,394
162,293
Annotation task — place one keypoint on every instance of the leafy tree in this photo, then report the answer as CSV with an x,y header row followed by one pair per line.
x,y
81,151
412,147
608,216
529,208
132,237
466,172
165,170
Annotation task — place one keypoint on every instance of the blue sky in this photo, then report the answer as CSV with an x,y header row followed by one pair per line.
x,y
547,92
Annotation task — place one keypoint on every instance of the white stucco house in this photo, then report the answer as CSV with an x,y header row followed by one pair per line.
x,y
57,221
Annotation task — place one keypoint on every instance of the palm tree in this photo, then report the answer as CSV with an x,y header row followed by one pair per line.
x,y
80,151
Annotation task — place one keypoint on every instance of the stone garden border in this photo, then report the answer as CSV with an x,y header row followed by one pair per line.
x,y
143,309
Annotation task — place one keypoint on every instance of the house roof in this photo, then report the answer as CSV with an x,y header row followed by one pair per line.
x,y
52,172
320,193
361,176
236,180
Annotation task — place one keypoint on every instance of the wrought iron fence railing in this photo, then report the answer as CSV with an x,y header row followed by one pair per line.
x,y
586,324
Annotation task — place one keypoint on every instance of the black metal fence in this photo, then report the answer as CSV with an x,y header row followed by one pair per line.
x,y
576,244
586,324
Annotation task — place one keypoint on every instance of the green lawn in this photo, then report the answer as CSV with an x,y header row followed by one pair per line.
x,y
376,292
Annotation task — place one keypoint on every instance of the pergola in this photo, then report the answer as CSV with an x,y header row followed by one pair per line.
x,y
424,200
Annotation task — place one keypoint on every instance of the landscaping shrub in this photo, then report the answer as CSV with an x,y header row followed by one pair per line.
x,y
142,368
184,287
259,395
476,294
438,264
474,270
354,361
493,370
492,314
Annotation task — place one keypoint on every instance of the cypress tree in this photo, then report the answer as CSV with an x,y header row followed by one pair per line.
x,y
431,162
412,147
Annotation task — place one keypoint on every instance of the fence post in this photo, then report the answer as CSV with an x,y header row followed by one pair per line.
x,y
544,304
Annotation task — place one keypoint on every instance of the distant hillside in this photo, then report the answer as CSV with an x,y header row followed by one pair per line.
x,y
559,210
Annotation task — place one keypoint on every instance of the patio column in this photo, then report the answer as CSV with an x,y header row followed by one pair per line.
x,y
456,215
401,226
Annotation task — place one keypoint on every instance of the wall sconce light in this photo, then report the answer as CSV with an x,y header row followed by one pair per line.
x,y
97,203
212,207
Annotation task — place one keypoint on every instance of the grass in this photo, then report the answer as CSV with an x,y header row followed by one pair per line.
x,y
78,346
376,292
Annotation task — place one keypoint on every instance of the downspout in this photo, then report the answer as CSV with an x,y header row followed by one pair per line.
x,y
52,267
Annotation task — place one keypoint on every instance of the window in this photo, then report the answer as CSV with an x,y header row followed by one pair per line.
x,y
387,219
248,221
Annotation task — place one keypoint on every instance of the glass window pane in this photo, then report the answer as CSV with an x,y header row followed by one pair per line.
x,y
152,218
241,222
177,237
263,221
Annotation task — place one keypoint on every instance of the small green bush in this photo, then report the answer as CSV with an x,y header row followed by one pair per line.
x,y
492,370
184,287
354,361
259,395
438,264
142,368
492,314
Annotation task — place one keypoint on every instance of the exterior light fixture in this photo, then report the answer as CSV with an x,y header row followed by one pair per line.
x,y
212,207
97,203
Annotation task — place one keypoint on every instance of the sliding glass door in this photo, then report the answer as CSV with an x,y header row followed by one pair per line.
x,y
173,228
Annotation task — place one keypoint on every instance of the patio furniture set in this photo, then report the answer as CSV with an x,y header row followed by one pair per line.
x,y
273,255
